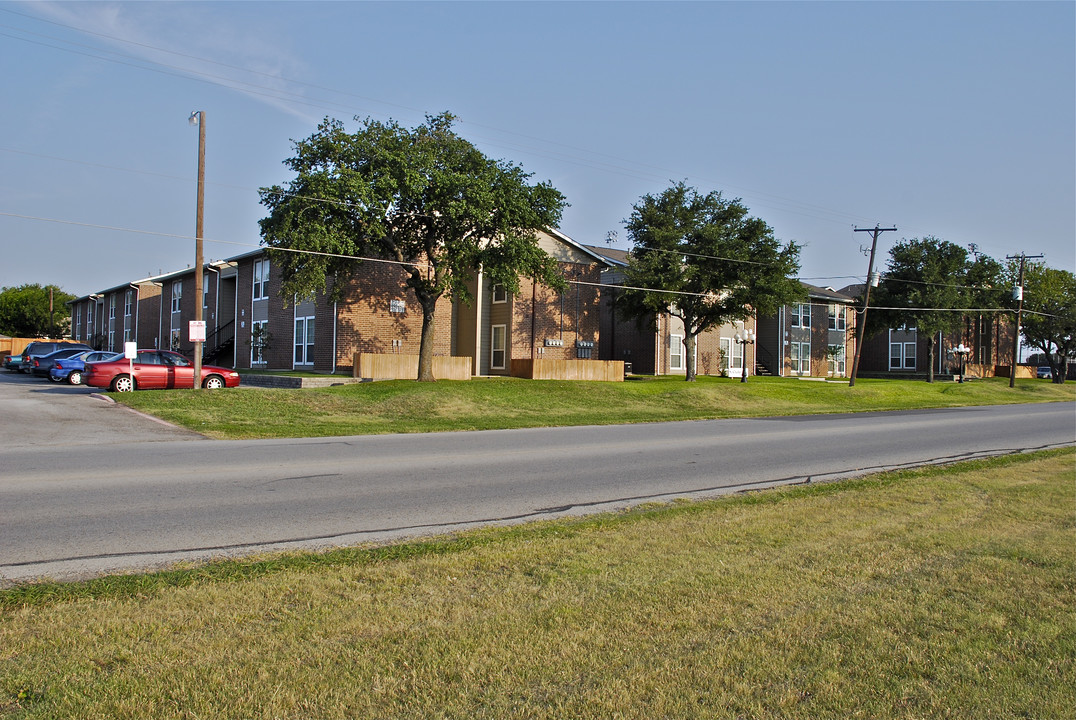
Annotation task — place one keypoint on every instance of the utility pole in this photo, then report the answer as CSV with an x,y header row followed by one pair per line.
x,y
198,116
861,321
1018,292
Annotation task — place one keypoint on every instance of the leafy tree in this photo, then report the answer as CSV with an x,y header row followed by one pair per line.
x,y
926,279
1049,318
423,197
706,261
24,311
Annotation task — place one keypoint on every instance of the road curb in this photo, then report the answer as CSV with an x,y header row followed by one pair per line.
x,y
106,398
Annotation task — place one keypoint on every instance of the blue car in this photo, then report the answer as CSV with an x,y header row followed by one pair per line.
x,y
70,368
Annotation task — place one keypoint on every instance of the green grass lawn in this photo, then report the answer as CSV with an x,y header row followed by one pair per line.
x,y
497,403
945,592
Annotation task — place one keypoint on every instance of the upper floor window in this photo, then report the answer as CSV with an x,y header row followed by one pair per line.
x,y
261,279
500,295
111,307
128,301
205,293
801,316
177,294
836,317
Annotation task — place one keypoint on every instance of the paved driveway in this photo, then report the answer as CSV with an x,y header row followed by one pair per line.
x,y
36,412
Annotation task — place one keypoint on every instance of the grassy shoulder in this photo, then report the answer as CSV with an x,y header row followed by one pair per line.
x,y
945,592
501,403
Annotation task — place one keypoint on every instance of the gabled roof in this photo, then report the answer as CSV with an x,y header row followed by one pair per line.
x,y
585,249
827,294
612,256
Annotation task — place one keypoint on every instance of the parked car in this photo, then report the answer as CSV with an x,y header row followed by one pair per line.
x,y
39,348
10,360
70,369
41,364
1044,372
154,370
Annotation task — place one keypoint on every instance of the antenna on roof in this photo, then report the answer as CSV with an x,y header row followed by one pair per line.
x,y
610,237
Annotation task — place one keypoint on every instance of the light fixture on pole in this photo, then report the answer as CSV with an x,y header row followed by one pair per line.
x,y
962,350
745,337
197,117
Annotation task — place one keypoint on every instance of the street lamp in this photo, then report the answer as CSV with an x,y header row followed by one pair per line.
x,y
197,117
745,337
962,350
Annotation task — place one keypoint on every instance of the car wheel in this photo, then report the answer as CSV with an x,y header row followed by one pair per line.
x,y
123,383
53,378
75,378
213,382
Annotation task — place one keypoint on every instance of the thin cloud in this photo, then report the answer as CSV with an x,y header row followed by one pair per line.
x,y
246,60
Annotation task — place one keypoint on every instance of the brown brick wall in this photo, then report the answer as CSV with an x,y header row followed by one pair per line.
x,y
366,322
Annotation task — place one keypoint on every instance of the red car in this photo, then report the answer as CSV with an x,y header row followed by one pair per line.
x,y
154,370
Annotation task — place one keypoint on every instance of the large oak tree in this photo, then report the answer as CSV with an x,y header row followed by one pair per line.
x,y
423,197
706,261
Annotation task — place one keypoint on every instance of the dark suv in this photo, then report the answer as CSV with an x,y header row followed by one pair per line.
x,y
37,349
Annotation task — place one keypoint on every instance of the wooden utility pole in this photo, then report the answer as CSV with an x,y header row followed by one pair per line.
x,y
1019,293
861,320
199,117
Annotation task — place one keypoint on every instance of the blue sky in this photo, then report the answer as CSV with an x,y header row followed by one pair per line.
x,y
950,119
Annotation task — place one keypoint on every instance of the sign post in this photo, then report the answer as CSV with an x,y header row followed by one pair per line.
x,y
130,351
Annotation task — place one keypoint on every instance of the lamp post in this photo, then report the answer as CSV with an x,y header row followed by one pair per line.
x,y
962,350
745,337
197,117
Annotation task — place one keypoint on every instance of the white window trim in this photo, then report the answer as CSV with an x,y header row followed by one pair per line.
x,y
260,358
493,350
498,293
677,342
308,347
260,279
177,295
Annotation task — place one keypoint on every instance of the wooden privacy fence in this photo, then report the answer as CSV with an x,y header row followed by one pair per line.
x,y
10,346
538,369
405,367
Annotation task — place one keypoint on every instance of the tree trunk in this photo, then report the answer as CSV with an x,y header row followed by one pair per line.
x,y
689,361
425,349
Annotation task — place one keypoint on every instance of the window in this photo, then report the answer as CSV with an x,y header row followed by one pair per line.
x,y
112,307
78,325
902,356
128,302
497,347
836,363
676,352
177,294
111,339
801,316
258,341
836,317
800,357
126,335
173,340
500,295
261,279
304,340
205,293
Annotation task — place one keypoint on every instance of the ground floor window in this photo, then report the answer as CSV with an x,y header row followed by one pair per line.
x,y
304,340
800,358
497,347
258,342
173,341
676,352
837,362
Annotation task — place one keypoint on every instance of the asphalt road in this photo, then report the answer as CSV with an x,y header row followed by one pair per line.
x,y
75,510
